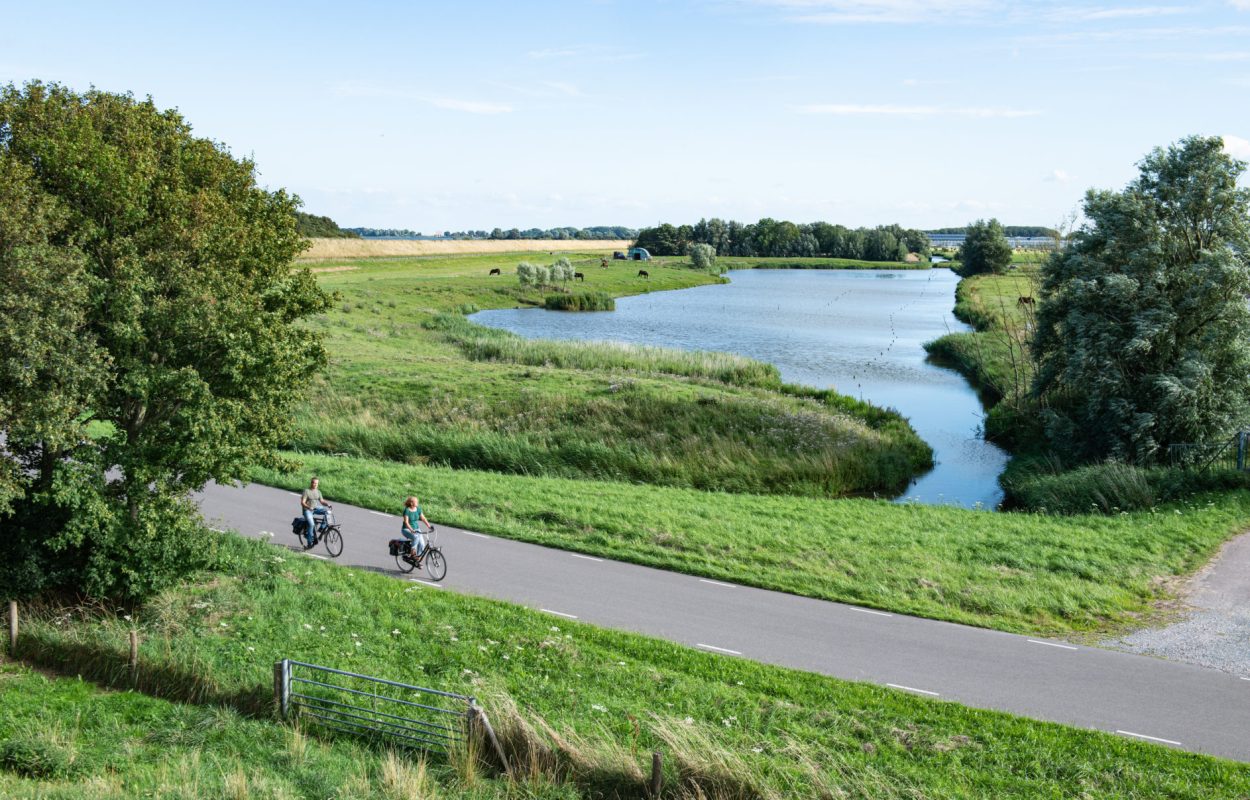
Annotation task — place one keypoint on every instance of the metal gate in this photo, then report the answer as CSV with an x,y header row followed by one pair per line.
x,y
374,708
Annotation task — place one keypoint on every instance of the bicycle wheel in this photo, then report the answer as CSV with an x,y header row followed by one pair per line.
x,y
334,541
435,564
403,564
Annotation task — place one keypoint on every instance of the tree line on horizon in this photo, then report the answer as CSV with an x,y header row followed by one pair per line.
x,y
781,238
1010,231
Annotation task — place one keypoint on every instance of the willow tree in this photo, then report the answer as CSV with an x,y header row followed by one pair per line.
x,y
1143,332
173,350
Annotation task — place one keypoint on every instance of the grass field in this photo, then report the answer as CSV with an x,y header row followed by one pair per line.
x,y
410,381
392,248
587,705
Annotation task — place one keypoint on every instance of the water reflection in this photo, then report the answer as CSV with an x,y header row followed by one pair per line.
x,y
858,331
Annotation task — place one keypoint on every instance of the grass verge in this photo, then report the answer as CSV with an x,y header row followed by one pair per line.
x,y
579,708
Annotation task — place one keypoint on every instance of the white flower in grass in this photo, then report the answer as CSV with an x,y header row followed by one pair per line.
x,y
620,663
554,628
507,657
323,627
224,625
126,617
598,707
358,644
395,632
757,749
688,720
307,626
251,649
482,647
355,636
455,638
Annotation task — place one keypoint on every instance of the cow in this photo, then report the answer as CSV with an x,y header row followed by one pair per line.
x,y
577,276
603,262
642,273
495,271
1024,301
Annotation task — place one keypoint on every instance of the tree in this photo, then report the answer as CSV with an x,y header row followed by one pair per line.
x,y
1143,333
985,248
527,274
168,275
702,256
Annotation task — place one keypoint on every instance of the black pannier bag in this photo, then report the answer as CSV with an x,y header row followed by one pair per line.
x,y
398,546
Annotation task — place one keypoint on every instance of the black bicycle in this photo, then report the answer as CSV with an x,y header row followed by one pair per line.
x,y
325,530
432,560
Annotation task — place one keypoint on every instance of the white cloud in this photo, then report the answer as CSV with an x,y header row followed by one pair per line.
x,y
852,109
837,12
1059,176
1240,5
1077,14
1236,146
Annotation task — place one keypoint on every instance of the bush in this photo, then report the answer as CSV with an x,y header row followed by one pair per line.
x,y
580,301
1110,487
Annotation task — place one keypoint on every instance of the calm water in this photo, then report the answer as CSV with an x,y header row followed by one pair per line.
x,y
858,331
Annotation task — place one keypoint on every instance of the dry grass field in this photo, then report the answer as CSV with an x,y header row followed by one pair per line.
x,y
323,249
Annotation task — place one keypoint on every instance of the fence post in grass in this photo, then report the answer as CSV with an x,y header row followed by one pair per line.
x,y
477,715
656,776
134,655
282,686
13,629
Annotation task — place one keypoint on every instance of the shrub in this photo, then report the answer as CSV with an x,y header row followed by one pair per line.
x,y
580,301
703,256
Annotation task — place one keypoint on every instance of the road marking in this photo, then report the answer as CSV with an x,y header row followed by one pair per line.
x,y
718,583
1151,738
427,583
381,514
478,535
869,611
314,555
719,649
1053,644
295,494
588,558
912,689
558,613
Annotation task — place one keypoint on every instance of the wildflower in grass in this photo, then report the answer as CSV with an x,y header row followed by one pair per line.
x,y
507,657
307,626
251,649
127,618
554,628
395,632
598,707
323,627
223,624
688,720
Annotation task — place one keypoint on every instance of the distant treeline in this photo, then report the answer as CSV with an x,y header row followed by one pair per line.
x,y
770,237
1010,231
315,227
593,232
389,233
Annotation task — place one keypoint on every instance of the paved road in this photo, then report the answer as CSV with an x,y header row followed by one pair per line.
x,y
1177,705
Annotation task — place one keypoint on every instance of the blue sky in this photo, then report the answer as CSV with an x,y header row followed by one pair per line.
x,y
476,115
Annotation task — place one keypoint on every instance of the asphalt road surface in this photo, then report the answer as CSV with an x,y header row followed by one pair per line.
x,y
1139,697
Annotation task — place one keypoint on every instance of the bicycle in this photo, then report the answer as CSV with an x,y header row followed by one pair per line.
x,y
325,529
433,560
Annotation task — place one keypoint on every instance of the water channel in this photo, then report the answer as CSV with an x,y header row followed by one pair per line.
x,y
860,332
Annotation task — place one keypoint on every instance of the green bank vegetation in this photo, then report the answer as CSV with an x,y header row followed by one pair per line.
x,y
579,709
411,381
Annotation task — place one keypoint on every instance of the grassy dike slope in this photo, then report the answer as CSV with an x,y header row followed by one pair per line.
x,y
729,728
406,384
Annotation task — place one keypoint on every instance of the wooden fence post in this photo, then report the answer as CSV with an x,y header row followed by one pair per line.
x,y
134,656
656,776
12,629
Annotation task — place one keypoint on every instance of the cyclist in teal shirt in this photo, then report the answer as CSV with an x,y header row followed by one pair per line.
x,y
411,528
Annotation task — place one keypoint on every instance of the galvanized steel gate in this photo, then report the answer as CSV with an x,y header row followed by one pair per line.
x,y
375,708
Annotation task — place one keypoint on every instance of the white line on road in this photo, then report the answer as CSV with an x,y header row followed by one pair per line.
x,y
588,558
427,583
314,555
869,611
719,649
1151,738
718,583
478,535
381,514
558,613
1053,644
912,689
219,530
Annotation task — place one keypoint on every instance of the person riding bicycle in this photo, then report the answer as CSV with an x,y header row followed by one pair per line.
x,y
411,528
313,505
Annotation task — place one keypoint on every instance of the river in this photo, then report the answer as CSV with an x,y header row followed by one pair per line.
x,y
860,332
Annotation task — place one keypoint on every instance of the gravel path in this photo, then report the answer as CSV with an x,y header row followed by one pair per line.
x,y
1216,633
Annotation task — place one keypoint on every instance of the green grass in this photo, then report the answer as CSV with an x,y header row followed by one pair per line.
x,y
728,727
1028,573
407,383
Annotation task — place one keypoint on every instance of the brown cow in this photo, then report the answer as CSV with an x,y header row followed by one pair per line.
x,y
577,276
642,273
1024,301
495,271
603,262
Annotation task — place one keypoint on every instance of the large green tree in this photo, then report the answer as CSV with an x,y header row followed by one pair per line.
x,y
152,322
985,248
1143,333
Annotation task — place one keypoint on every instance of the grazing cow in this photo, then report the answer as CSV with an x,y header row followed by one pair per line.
x,y
603,262
577,276
1024,301
642,273
495,271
